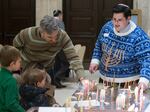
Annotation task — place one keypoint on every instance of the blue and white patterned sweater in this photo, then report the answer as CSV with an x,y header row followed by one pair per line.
x,y
122,55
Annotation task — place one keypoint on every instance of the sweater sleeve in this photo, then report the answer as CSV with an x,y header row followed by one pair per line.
x,y
72,56
18,41
12,97
97,52
142,49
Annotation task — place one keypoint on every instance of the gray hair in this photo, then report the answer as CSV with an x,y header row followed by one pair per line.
x,y
48,24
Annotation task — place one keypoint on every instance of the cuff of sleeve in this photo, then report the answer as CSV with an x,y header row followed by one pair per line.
x,y
144,80
95,61
80,73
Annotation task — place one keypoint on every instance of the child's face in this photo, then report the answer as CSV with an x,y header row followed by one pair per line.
x,y
42,83
16,65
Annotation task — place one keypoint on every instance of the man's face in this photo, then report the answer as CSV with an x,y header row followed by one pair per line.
x,y
119,21
51,38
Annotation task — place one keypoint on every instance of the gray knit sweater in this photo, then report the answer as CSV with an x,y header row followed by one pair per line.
x,y
34,49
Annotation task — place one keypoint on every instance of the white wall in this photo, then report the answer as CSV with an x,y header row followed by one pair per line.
x,y
46,7
144,6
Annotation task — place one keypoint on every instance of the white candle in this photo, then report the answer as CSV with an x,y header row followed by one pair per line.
x,y
112,93
131,108
136,94
93,84
118,102
86,87
102,95
129,91
97,94
136,109
123,98
141,98
81,109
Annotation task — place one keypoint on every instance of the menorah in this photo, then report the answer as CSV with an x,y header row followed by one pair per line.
x,y
111,57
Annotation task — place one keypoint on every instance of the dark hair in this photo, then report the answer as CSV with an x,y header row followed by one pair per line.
x,y
122,8
1,46
57,12
9,54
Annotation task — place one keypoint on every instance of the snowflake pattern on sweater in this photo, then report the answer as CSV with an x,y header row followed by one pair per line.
x,y
124,55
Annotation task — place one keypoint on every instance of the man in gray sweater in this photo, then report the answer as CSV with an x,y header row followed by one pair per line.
x,y
40,45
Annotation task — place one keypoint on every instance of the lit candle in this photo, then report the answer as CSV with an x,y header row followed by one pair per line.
x,y
81,109
131,108
136,94
66,104
97,94
141,98
112,93
129,87
90,104
92,85
86,87
78,97
103,84
136,109
102,95
123,98
129,94
118,102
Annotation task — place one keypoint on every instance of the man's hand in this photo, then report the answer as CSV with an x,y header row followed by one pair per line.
x,y
93,67
85,81
142,84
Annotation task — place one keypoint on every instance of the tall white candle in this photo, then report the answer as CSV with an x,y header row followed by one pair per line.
x,y
102,95
97,94
118,102
141,98
112,93
136,94
123,98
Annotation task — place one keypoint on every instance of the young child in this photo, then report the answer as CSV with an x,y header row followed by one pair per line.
x,y
33,91
9,93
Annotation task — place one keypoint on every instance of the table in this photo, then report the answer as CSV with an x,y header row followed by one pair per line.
x,y
109,104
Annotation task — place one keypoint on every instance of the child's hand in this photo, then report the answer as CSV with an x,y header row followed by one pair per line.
x,y
56,105
32,109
